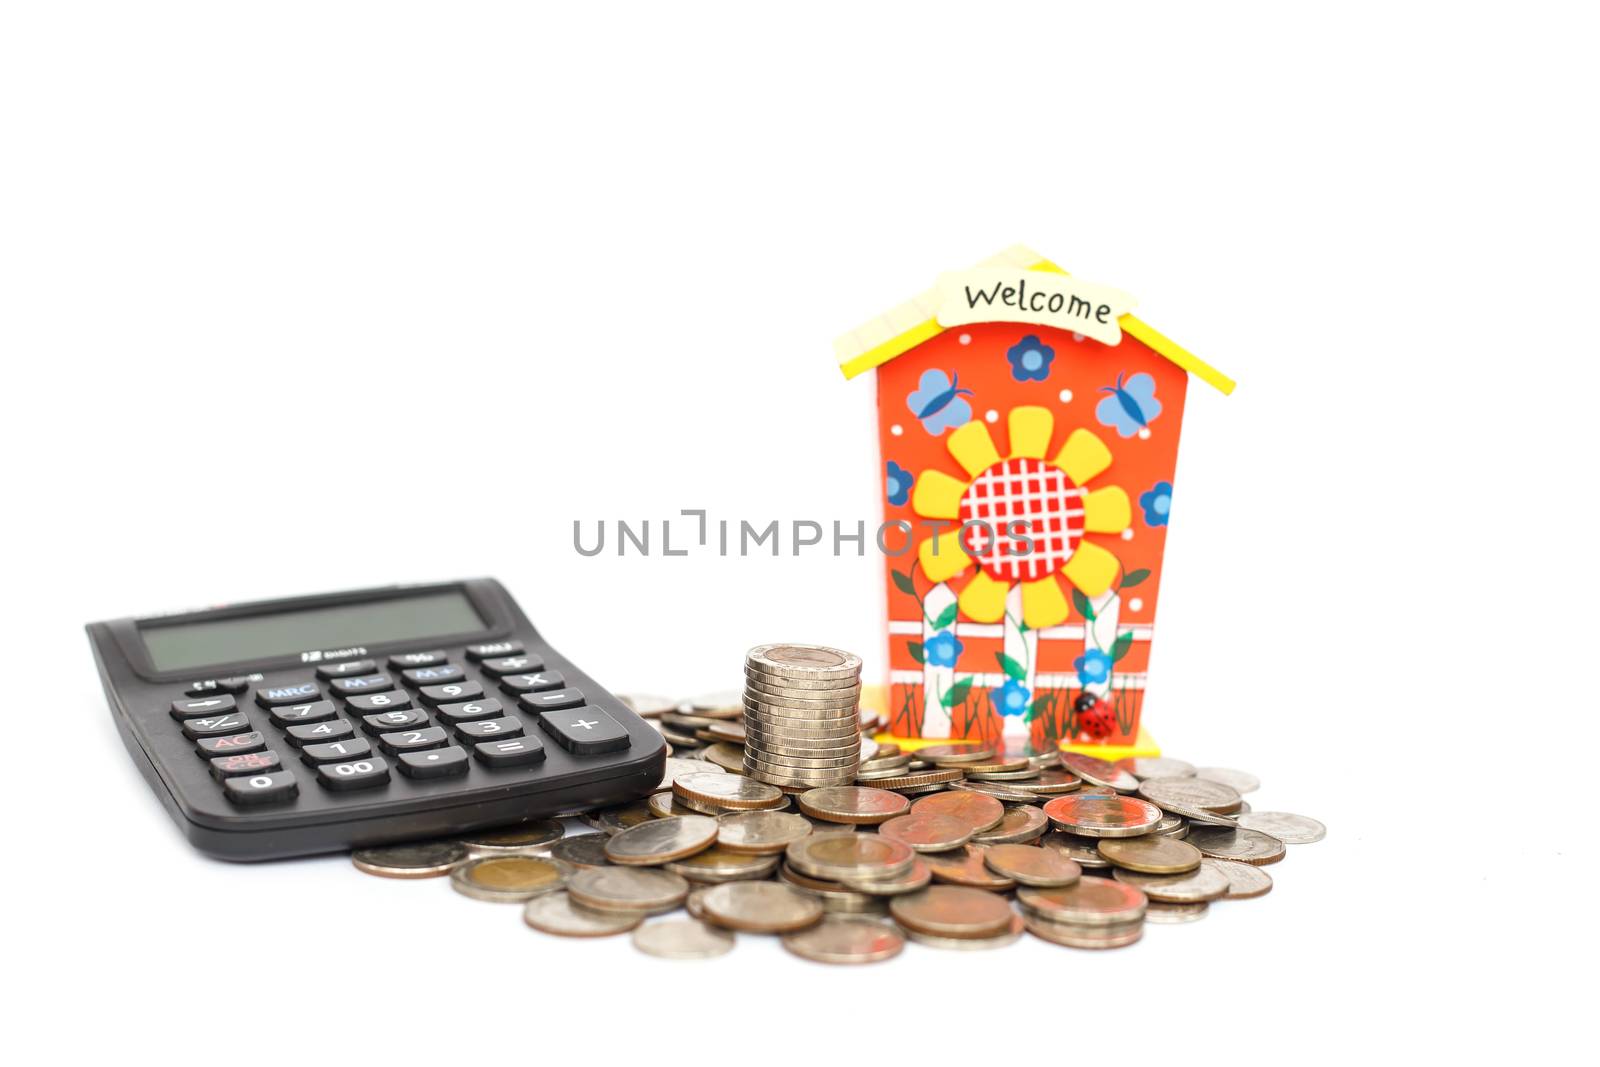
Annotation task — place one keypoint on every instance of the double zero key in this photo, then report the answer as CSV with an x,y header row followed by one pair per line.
x,y
357,774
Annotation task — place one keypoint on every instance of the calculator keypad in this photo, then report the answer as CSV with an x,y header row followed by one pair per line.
x,y
511,665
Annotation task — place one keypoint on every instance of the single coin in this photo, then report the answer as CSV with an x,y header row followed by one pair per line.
x,y
1202,883
1086,902
1172,826
760,833
834,857
1005,792
1099,772
1142,767
889,748
517,838
1247,846
965,867
1238,781
682,939
730,732
1290,829
718,704
685,721
418,859
954,754
1050,782
1031,865
977,810
675,768
1245,881
873,777
804,662
1191,793
646,706
935,779
1080,850
557,913
1151,854
912,880
998,765
760,907
970,944
508,879
662,840
1099,816
1192,815
1073,935
1161,911
836,899
665,805
726,790
717,865
926,832
1025,822
823,826
584,850
635,889
858,804
614,820
839,939
953,911
691,903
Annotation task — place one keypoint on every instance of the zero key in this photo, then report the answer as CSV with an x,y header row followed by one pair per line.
x,y
273,788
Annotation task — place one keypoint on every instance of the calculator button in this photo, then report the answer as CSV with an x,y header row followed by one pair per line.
x,y
272,696
367,683
413,740
512,752
449,694
438,763
470,709
346,670
445,672
272,788
403,660
528,683
380,702
214,685
245,763
316,711
310,734
216,725
485,729
584,731
403,719
337,751
357,774
208,747
479,653
551,699
196,709
512,665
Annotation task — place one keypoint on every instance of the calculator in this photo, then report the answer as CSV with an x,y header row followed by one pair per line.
x,y
320,723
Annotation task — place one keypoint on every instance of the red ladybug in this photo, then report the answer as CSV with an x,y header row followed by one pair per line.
x,y
1095,716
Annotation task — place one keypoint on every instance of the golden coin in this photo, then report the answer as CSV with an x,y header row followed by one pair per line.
x,y
1246,846
634,889
970,944
953,911
730,732
926,832
917,779
1088,901
1025,822
517,838
998,765
557,913
662,840
760,832
731,791
1050,782
977,810
508,879
760,907
1245,880
965,867
728,757
858,804
1202,883
1031,865
840,939
1100,816
1151,854
912,880
833,857
952,754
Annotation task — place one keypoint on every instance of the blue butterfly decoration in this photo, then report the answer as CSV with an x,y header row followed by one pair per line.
x,y
939,402
1132,405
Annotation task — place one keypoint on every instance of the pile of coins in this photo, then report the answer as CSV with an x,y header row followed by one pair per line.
x,y
802,724
952,846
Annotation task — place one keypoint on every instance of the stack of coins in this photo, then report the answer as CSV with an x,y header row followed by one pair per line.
x,y
801,725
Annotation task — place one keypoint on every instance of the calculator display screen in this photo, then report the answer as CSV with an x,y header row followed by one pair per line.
x,y
184,645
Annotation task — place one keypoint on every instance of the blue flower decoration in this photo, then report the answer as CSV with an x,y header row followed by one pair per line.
x,y
1093,666
1012,698
1030,359
942,649
897,481
1156,503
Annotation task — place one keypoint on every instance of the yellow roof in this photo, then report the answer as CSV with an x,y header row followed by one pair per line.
x,y
903,328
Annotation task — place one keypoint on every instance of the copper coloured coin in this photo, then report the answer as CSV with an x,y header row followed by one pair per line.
x,y
954,754
1024,822
965,867
953,911
835,857
1152,854
1031,865
760,832
1075,935
1087,902
1099,816
760,907
978,810
926,832
839,939
661,840
1100,772
970,944
860,804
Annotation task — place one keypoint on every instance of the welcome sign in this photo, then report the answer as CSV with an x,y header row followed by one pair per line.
x,y
1044,298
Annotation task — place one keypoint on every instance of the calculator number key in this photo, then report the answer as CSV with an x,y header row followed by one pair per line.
x,y
484,729
449,694
245,763
216,725
443,673
205,706
404,719
315,733
552,699
346,670
512,665
404,660
528,683
316,711
584,731
510,752
272,696
367,683
493,650
437,763
487,708
357,774
413,740
208,747
379,702
275,787
337,751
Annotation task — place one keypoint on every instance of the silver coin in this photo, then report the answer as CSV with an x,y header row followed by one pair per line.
x,y
1161,911
1190,793
918,877
1245,881
1083,850
1097,771
717,865
765,687
1142,767
812,734
1172,826
1201,884
834,857
582,850
760,711
1075,935
682,939
845,703
661,840
1238,781
634,889
839,939
417,859
733,791
1247,846
556,913
804,662
1290,829
508,879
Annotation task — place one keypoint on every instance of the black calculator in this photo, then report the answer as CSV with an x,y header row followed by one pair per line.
x,y
320,723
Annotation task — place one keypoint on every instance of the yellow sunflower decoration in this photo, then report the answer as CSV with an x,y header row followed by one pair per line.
x,y
1022,519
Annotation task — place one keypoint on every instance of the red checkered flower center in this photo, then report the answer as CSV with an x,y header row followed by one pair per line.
x,y
1016,499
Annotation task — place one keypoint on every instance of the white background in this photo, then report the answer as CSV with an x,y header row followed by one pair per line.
x,y
300,297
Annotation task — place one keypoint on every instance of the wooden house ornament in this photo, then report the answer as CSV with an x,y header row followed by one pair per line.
x,y
1028,433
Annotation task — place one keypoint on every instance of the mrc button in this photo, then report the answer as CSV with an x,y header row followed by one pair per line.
x,y
272,696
